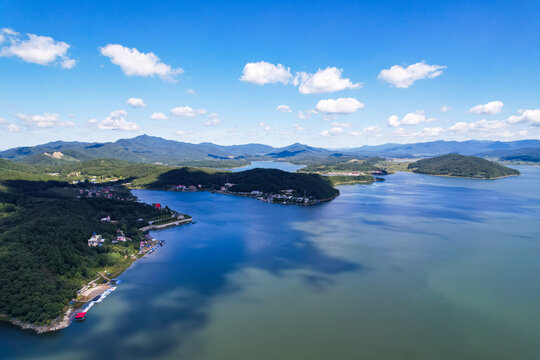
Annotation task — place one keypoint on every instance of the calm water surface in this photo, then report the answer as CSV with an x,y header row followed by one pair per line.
x,y
285,166
417,267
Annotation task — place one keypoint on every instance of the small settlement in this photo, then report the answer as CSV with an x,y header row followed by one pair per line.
x,y
285,197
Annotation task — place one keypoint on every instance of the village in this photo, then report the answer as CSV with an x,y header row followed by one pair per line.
x,y
285,197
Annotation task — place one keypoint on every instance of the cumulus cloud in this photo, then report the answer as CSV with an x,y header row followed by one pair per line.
x,y
265,126
333,131
492,107
413,118
298,127
404,77
339,106
263,72
323,81
481,125
115,121
42,50
136,63
213,121
191,91
370,130
526,115
283,108
158,116
47,120
136,102
186,111
445,108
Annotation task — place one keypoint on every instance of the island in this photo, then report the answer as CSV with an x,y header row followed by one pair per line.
x,y
461,166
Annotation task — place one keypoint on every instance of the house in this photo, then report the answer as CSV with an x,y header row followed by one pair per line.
x,y
157,206
95,240
120,236
106,219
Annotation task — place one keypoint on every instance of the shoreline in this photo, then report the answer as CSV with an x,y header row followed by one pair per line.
x,y
467,177
65,319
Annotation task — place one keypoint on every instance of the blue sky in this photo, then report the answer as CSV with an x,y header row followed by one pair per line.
x,y
350,73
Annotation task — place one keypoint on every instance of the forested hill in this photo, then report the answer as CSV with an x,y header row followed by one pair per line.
x,y
44,255
264,180
463,166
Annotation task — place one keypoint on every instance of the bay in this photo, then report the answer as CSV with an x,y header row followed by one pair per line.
x,y
416,267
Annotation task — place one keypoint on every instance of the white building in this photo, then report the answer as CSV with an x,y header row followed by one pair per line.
x,y
95,240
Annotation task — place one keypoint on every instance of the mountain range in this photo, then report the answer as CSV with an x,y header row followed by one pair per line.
x,y
151,149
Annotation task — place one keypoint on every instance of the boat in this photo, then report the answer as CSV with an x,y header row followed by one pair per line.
x,y
80,316
96,298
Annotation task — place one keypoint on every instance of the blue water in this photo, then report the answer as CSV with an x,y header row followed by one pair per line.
x,y
416,267
285,166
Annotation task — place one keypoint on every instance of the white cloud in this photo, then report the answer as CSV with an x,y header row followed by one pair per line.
x,y
158,116
13,128
339,106
307,114
116,121
42,50
262,72
492,107
413,118
481,125
488,129
265,126
9,31
423,133
136,102
186,111
323,81
191,91
404,77
136,63
232,130
213,121
333,131
370,130
47,120
445,108
283,108
3,121
526,115
298,127
393,121
180,132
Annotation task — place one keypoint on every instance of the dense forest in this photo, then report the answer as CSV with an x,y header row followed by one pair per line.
x,y
44,256
463,166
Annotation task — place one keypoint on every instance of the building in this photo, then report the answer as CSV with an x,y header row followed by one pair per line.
x,y
120,236
95,240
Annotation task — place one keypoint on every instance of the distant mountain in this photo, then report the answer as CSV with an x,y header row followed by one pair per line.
x,y
151,149
441,147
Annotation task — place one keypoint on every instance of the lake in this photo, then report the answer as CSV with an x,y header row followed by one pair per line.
x,y
285,166
416,267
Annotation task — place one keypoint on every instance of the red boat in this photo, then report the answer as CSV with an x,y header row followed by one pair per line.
x,y
80,316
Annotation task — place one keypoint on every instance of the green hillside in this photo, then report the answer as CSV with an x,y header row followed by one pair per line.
x,y
462,166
